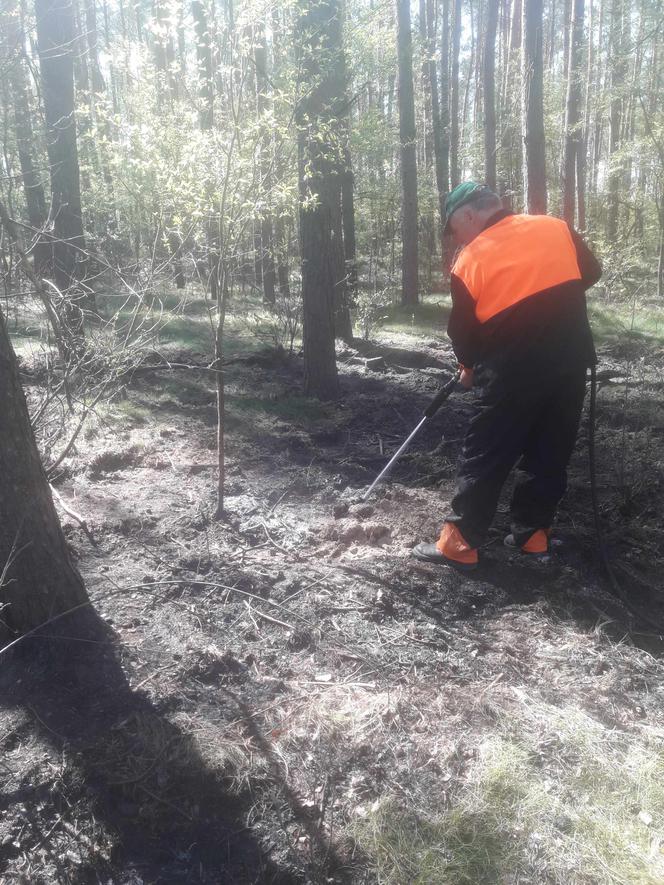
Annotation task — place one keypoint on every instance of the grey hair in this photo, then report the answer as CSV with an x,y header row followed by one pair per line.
x,y
487,200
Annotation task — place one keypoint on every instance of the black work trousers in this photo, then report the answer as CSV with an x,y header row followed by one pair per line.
x,y
533,422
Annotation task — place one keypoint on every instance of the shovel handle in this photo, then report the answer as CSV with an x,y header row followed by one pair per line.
x,y
441,396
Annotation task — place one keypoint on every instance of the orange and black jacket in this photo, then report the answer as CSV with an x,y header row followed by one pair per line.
x,y
518,297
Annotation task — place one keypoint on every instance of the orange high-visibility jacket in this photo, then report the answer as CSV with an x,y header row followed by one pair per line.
x,y
518,294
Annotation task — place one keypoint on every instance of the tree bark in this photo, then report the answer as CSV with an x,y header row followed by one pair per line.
x,y
32,186
164,56
40,581
573,130
660,254
615,118
266,256
407,140
535,196
55,35
281,236
319,27
454,97
205,68
439,110
489,77
348,218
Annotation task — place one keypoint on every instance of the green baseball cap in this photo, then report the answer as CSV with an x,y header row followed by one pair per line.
x,y
461,195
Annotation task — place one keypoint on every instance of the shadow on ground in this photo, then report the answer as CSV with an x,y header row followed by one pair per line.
x,y
161,813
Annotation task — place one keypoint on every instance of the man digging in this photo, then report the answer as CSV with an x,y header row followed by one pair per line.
x,y
520,331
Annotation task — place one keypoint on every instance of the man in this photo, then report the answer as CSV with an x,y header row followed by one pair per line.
x,y
520,331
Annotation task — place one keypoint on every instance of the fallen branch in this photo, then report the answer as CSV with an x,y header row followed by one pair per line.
x,y
75,516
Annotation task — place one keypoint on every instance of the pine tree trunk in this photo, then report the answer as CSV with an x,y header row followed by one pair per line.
x,y
407,139
439,114
573,132
319,28
264,164
344,214
204,64
535,196
615,118
600,87
582,160
454,97
348,217
55,35
512,141
281,239
319,267
41,581
32,185
660,256
489,78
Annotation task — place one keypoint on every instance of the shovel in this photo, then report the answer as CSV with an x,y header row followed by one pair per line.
x,y
429,412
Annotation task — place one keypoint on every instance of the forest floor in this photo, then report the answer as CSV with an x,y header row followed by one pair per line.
x,y
288,697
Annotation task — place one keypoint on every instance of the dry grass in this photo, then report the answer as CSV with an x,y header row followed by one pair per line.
x,y
552,795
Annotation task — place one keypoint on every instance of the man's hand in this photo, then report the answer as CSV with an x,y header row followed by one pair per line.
x,y
466,378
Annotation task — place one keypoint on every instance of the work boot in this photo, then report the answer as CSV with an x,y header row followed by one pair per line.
x,y
537,545
450,549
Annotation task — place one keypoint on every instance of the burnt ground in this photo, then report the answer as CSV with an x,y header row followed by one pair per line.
x,y
267,680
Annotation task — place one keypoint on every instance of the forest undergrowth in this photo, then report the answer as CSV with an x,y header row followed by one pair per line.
x,y
283,695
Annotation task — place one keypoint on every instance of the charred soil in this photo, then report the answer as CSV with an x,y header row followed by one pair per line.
x,y
283,695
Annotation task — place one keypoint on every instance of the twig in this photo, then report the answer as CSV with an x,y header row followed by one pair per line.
x,y
166,802
79,427
267,618
251,617
278,546
74,515
333,684
13,556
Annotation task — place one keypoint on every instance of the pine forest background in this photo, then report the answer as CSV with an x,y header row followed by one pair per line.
x,y
205,142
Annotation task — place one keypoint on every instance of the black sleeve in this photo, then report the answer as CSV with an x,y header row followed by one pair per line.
x,y
463,326
591,269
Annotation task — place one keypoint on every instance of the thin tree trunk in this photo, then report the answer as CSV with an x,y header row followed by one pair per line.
x,y
55,34
600,85
489,77
32,186
573,131
440,119
266,257
281,242
454,95
344,214
660,257
348,217
205,69
535,196
615,118
582,160
407,139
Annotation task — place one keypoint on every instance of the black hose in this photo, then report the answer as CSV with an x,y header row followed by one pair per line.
x,y
441,396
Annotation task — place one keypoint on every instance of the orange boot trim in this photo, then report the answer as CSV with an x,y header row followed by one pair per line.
x,y
537,542
453,545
